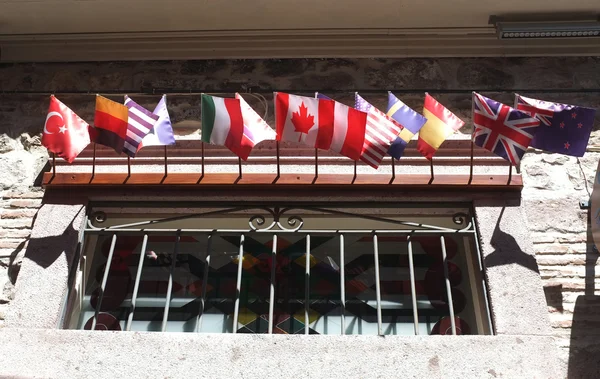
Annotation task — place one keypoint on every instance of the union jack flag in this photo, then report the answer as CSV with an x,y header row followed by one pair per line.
x,y
544,115
501,129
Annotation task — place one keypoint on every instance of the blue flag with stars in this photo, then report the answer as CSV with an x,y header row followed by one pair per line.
x,y
408,118
564,129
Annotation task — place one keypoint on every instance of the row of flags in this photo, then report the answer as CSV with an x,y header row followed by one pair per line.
x,y
362,132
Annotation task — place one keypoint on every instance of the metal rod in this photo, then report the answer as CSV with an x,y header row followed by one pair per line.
x,y
204,283
202,152
471,165
342,286
104,280
355,174
413,290
170,284
377,284
238,286
94,161
53,164
431,170
128,166
448,286
240,166
509,173
277,153
307,286
312,231
166,170
485,291
272,289
316,163
393,171
136,286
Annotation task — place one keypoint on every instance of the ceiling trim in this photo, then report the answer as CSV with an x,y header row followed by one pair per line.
x,y
256,44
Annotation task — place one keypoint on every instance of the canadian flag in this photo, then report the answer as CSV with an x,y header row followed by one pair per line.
x,y
349,126
304,119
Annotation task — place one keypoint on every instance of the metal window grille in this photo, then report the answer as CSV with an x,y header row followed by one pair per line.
x,y
291,268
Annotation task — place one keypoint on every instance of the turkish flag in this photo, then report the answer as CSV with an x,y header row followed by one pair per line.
x,y
65,133
304,119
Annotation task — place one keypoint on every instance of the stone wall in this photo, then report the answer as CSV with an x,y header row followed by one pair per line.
x,y
554,184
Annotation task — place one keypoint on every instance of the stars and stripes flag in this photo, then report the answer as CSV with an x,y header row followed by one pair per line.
x,y
564,128
140,122
501,129
380,133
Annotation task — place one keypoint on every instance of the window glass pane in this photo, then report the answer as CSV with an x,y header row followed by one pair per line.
x,y
185,265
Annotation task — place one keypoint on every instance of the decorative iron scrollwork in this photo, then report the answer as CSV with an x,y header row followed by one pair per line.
x,y
292,224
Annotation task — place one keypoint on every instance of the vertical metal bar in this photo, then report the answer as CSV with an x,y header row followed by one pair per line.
x,y
431,169
238,286
307,285
316,163
204,283
472,141
413,290
166,170
240,166
277,153
128,166
485,291
509,173
170,284
136,286
377,284
393,170
202,154
104,279
94,161
355,174
53,164
272,290
448,287
342,286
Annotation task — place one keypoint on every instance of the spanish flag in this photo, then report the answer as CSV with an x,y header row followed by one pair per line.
x,y
110,123
441,123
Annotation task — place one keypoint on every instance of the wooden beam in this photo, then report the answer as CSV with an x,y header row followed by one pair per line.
x,y
478,182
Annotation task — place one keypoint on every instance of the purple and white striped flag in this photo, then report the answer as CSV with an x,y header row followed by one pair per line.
x,y
139,123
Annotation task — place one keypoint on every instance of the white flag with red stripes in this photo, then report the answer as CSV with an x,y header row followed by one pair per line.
x,y
304,119
381,132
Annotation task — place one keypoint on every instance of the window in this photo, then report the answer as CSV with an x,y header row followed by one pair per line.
x,y
371,269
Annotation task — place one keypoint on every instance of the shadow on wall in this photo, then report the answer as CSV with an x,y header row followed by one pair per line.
x,y
507,250
584,350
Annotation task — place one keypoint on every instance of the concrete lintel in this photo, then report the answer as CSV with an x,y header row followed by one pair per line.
x,y
85,354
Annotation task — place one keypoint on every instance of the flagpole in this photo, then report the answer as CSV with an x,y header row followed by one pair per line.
x,y
277,153
94,162
354,177
472,142
202,161
240,167
316,165
128,166
431,169
166,170
393,171
509,173
53,165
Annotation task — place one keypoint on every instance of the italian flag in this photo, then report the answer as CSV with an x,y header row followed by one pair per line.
x,y
222,122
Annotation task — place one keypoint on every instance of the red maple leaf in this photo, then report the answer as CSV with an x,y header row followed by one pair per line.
x,y
302,120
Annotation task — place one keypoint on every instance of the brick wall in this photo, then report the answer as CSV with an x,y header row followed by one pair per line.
x,y
554,184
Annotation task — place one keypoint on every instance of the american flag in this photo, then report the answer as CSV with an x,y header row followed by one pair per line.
x,y
380,133
140,122
501,129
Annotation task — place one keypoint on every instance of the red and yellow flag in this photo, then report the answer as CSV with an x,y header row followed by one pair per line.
x,y
110,123
441,123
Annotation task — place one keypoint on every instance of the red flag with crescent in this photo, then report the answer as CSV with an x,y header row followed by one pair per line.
x,y
65,133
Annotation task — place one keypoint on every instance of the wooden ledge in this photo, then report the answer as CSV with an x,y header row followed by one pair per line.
x,y
220,180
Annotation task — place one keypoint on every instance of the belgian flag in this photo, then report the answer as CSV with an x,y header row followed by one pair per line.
x,y
110,123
